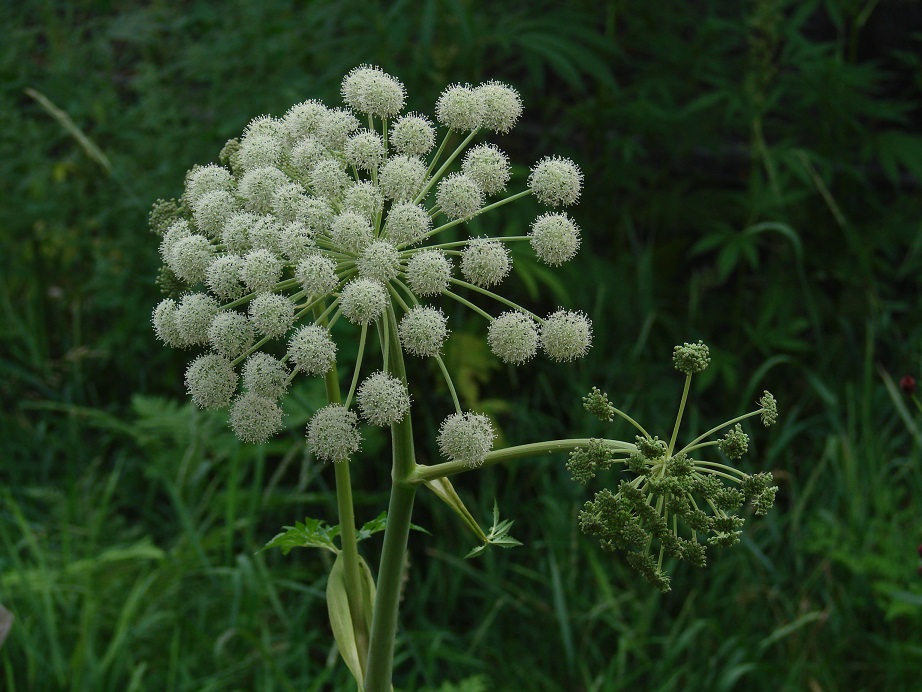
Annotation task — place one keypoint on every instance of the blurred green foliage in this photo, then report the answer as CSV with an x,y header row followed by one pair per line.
x,y
753,178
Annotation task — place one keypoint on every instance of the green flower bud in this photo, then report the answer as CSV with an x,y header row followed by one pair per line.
x,y
651,448
769,409
407,223
566,335
335,127
317,275
163,213
258,186
194,316
466,437
735,443
272,314
379,261
597,403
303,120
383,399
485,262
211,381
223,277
231,334
370,90
328,180
554,238
459,108
365,150
261,270
351,232
691,358
312,350
428,272
513,337
413,134
459,196
501,106
555,181
265,375
204,179
254,418
333,433
423,331
364,198
402,177
363,300
488,167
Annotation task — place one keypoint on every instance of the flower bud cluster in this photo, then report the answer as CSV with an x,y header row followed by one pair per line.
x,y
329,212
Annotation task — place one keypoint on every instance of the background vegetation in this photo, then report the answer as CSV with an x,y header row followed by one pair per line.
x,y
753,179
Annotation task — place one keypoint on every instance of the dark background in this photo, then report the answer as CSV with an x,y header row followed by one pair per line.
x,y
753,176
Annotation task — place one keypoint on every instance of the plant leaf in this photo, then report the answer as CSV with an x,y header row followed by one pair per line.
x,y
341,617
312,533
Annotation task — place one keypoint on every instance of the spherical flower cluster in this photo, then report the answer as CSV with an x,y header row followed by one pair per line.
x,y
333,433
466,437
383,399
338,212
691,358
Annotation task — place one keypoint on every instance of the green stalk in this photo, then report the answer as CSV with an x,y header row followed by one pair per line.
x,y
678,418
350,548
393,555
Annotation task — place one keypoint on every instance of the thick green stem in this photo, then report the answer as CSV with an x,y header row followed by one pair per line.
x,y
394,551
350,549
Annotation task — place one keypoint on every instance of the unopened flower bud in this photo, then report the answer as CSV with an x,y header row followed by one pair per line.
x,y
769,409
691,358
735,443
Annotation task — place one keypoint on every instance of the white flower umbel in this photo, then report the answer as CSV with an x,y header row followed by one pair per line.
x,y
466,437
383,399
333,433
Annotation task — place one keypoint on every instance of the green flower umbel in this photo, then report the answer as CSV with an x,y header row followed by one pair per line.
x,y
675,503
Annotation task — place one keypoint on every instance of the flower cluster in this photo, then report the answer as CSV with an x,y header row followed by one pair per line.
x,y
353,212
671,486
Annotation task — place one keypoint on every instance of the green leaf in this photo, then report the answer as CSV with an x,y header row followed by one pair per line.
x,y
341,617
312,533
378,524
498,536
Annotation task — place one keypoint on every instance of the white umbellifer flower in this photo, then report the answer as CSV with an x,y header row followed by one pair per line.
x,y
364,198
204,179
306,154
407,223
265,375
566,335
263,126
413,135
254,418
272,314
165,325
383,399
289,203
488,167
266,234
317,275
303,120
261,270
365,150
423,331
428,272
554,238
369,89
485,262
459,196
231,333
328,179
190,257
312,350
351,232
335,127
363,300
177,231
211,209
223,277
258,186
236,232
513,337
211,381
555,181
502,106
402,177
333,433
459,108
317,216
194,316
466,437
259,150
297,241
379,261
